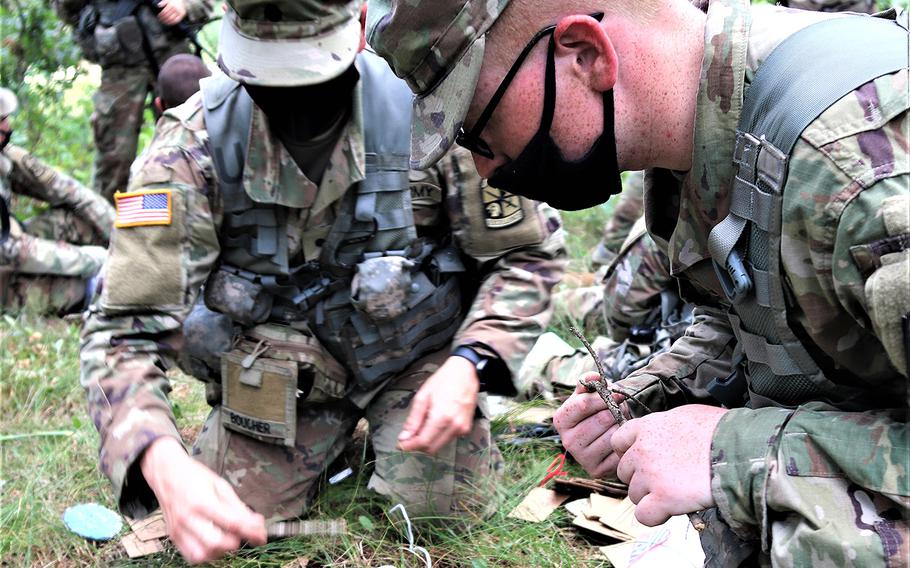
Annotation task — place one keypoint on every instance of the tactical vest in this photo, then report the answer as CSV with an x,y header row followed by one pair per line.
x,y
373,231
124,32
745,245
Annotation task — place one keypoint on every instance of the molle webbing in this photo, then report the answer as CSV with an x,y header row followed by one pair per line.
x,y
786,95
375,220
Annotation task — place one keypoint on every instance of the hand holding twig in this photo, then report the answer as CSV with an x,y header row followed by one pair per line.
x,y
602,387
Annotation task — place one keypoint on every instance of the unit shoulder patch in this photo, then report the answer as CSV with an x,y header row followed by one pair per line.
x,y
143,208
501,209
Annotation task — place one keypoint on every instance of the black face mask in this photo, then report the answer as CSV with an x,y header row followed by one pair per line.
x,y
540,172
301,113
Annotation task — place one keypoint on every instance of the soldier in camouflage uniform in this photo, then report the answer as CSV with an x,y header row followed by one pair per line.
x,y
802,479
130,41
428,422
585,303
46,262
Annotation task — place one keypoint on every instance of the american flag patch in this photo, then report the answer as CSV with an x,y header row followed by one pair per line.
x,y
139,208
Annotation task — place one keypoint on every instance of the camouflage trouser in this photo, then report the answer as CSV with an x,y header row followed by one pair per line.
x,y
582,306
280,482
39,254
116,122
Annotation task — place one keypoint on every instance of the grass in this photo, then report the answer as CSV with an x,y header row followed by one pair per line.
x,y
48,462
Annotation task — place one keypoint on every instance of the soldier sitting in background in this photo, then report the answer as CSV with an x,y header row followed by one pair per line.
x,y
341,286
46,262
129,39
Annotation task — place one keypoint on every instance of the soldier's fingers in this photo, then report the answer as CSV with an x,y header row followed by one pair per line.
x,y
213,541
625,469
576,409
416,417
625,436
597,455
589,376
651,512
432,430
638,484
240,520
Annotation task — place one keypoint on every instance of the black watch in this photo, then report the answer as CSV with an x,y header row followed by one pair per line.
x,y
492,372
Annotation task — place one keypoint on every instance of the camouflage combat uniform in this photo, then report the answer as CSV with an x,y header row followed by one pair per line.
x,y
127,78
45,263
135,329
585,303
818,484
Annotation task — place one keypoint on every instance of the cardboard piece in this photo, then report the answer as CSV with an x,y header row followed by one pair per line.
x,y
600,529
538,505
578,507
675,543
618,554
616,513
136,548
152,527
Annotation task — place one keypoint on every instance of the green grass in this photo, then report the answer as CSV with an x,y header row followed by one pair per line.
x,y
48,462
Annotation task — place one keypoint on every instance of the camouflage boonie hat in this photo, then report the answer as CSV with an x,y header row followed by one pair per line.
x,y
437,47
288,43
8,102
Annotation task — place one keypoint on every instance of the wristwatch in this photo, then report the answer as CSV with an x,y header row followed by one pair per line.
x,y
492,372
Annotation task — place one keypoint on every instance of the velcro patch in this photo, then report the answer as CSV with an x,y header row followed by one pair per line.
x,y
501,209
143,208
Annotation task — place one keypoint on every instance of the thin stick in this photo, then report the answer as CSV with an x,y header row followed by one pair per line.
x,y
602,387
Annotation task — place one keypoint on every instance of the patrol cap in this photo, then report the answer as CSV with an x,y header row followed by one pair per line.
x,y
8,102
437,47
288,43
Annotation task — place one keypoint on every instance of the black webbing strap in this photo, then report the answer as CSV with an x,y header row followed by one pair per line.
x,y
813,68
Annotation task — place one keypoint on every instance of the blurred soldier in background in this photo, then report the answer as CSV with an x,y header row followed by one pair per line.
x,y
129,39
47,261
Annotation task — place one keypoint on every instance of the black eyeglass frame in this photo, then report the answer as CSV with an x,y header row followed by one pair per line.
x,y
472,140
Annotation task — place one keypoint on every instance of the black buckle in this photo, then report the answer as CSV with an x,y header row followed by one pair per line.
x,y
733,277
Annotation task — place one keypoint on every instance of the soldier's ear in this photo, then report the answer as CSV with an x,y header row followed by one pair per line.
x,y
593,57
159,106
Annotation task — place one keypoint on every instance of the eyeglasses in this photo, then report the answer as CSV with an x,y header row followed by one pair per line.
x,y
472,140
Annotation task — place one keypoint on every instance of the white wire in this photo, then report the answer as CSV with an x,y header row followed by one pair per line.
x,y
418,550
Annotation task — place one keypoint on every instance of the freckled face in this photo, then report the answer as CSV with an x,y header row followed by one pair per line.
x,y
577,120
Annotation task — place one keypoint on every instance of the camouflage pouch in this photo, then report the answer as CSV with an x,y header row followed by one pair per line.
x,y
271,369
259,397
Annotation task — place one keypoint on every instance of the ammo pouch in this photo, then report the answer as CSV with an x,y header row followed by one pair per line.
x,y
271,369
109,38
394,313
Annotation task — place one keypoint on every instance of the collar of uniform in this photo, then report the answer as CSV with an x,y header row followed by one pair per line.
x,y
270,174
702,201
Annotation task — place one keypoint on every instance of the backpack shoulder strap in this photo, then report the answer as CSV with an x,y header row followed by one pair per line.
x,y
844,53
800,79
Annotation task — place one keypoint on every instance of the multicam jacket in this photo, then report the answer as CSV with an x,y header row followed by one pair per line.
x,y
154,273
23,174
814,485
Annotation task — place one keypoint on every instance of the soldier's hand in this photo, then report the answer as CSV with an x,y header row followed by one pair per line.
x,y
204,517
443,408
586,427
665,458
172,12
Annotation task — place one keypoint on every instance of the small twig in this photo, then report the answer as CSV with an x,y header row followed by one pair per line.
x,y
602,387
